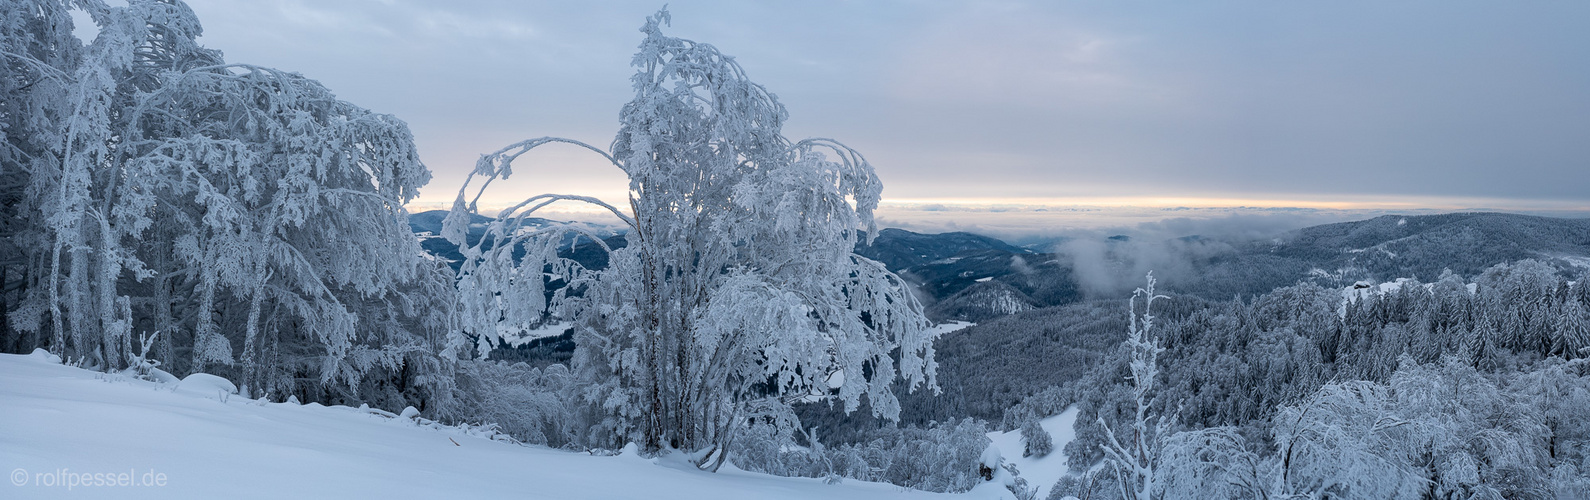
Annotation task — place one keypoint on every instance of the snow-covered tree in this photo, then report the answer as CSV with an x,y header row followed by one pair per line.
x,y
1482,344
1570,335
1471,437
39,57
1213,463
217,208
1135,457
738,291
1036,442
287,198
1560,392
89,207
1342,443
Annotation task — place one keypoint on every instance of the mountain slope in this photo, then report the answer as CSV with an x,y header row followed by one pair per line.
x,y
969,277
428,227
1467,243
63,424
900,249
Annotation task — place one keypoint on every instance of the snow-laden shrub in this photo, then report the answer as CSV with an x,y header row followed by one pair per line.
x,y
1048,402
942,458
1099,484
522,401
1018,485
1037,442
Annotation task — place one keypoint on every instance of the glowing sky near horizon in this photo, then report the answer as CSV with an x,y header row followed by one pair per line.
x,y
1332,106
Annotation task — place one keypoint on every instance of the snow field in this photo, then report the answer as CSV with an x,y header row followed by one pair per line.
x,y
78,434
1040,471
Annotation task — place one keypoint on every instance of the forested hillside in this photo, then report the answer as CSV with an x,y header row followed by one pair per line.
x,y
974,283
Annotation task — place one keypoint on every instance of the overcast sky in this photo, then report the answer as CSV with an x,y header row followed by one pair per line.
x,y
1425,103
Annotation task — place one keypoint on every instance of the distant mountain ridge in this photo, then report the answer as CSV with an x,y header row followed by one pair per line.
x,y
966,276
428,227
901,249
1467,243
965,282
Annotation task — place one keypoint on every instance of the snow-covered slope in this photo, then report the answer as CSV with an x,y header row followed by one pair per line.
x,y
1041,472
60,424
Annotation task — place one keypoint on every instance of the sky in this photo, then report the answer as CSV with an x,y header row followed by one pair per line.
x,y
1003,107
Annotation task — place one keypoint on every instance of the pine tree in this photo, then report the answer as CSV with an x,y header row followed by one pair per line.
x,y
1037,441
1483,346
1570,336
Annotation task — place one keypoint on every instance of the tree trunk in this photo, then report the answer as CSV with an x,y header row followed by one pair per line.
x,y
251,341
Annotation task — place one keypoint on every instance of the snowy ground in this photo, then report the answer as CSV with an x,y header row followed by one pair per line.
x,y
60,426
951,327
1041,472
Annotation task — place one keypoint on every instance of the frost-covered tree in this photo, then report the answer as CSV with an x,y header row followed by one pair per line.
x,y
1135,457
1570,335
1470,436
89,205
1342,443
1560,393
287,199
738,292
1036,442
1213,463
39,57
218,208
1483,344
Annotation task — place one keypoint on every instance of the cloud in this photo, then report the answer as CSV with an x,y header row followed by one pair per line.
x,y
1105,267
1000,99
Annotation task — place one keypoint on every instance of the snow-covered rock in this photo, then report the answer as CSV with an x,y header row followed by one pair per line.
x,y
992,457
206,385
155,375
45,356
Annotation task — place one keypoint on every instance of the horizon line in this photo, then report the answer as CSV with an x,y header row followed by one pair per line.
x,y
1041,204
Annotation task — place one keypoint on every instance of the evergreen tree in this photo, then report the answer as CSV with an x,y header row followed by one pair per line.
x,y
1037,442
1570,336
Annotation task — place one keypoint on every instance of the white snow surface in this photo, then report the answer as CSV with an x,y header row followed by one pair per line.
x,y
206,385
1573,260
1041,472
1363,290
57,422
1355,293
951,327
516,337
